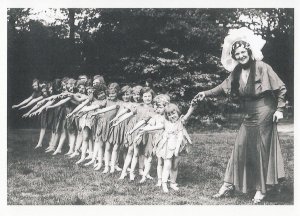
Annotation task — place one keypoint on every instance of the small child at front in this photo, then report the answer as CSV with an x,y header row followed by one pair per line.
x,y
174,141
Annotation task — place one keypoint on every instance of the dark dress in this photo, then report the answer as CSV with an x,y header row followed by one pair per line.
x,y
256,159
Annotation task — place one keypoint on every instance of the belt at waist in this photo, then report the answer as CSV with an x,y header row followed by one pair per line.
x,y
253,103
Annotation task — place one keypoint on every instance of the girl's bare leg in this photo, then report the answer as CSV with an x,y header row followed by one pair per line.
x,y
85,143
51,140
141,164
54,143
136,151
62,139
100,155
127,161
42,134
90,149
78,144
107,156
147,163
95,152
166,173
159,171
114,156
72,139
174,173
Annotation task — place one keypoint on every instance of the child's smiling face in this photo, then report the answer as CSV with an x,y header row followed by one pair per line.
x,y
112,95
101,95
147,98
35,86
173,116
136,96
160,108
81,89
126,96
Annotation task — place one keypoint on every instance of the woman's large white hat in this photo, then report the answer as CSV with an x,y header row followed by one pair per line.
x,y
242,34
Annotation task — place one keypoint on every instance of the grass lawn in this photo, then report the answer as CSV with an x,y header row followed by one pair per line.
x,y
36,178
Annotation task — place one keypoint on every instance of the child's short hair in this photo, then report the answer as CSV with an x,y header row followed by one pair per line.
x,y
80,82
162,98
65,79
42,84
148,89
35,80
49,85
89,82
114,87
137,89
170,108
56,86
82,75
100,88
100,78
126,88
71,81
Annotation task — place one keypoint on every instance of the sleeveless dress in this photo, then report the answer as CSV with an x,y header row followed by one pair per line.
x,y
87,120
174,134
103,131
145,142
121,129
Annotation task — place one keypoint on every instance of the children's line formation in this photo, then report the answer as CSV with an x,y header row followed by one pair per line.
x,y
102,129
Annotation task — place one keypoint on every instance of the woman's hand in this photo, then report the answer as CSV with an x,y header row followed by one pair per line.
x,y
277,115
199,97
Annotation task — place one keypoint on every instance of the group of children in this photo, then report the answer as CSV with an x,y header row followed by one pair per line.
x,y
102,128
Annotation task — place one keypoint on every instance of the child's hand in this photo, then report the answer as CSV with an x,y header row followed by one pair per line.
x,y
176,152
39,103
25,116
69,115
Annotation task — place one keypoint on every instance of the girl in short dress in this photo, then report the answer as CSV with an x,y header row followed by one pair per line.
x,y
141,145
160,102
132,120
78,120
70,101
174,141
103,131
118,130
96,100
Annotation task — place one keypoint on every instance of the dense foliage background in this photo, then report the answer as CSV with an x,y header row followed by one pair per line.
x,y
179,49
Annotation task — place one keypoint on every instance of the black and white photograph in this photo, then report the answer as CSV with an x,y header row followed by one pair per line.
x,y
150,106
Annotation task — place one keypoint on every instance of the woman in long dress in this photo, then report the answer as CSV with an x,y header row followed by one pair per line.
x,y
256,160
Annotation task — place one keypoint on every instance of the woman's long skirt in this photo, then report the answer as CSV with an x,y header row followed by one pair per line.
x,y
256,160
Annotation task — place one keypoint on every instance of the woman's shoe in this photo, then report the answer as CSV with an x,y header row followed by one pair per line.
x,y
225,191
259,196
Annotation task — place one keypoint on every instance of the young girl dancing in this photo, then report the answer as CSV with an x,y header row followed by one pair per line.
x,y
79,119
103,130
160,102
36,94
119,129
174,141
141,146
95,101
132,120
